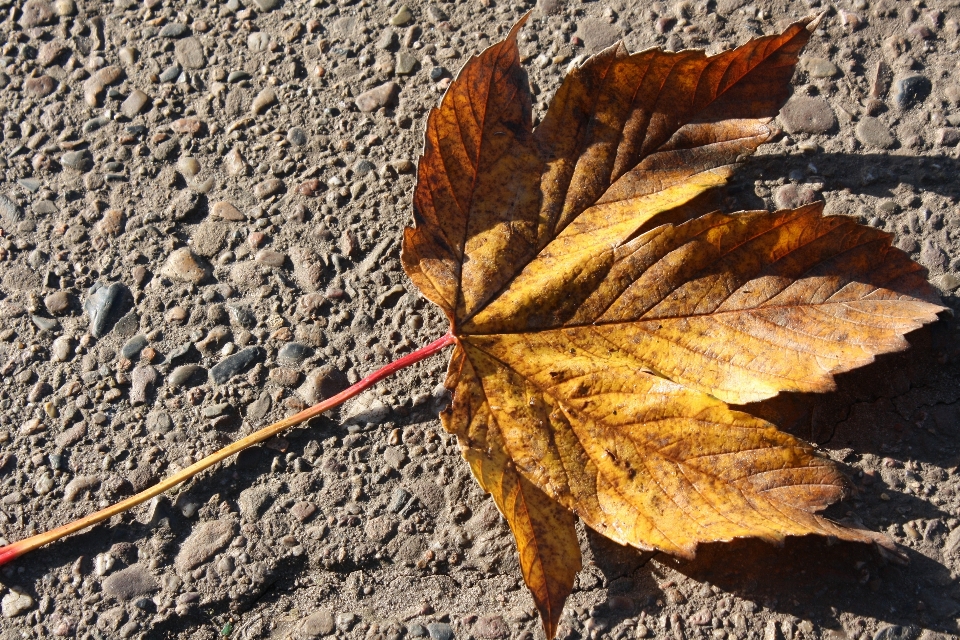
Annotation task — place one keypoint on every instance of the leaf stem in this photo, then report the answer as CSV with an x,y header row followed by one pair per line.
x,y
17,549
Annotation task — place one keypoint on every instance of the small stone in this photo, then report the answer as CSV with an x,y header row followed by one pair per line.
x,y
259,407
266,5
440,631
322,383
271,258
10,211
233,364
910,90
227,211
405,64
209,238
297,136
184,374
102,306
821,68
111,224
310,188
185,266
253,502
65,8
80,161
263,101
378,97
948,281
16,603
132,347
794,196
872,132
268,188
206,540
188,166
40,87
79,485
186,126
366,409
948,136
803,114
402,16
491,627
49,52
189,53
170,74
303,510
236,164
129,583
142,380
62,349
318,624
174,30
381,528
134,103
893,632
258,41
285,377
932,256
127,55
58,303
388,40
294,353
159,422
597,33
36,13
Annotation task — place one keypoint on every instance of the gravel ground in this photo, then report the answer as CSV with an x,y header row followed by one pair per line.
x,y
202,206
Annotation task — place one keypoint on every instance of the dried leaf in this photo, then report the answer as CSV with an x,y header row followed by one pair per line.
x,y
603,323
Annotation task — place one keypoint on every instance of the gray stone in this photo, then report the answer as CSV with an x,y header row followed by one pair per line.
x,y
132,348
159,422
266,5
382,96
803,114
317,624
322,383
932,256
36,13
405,64
183,204
233,364
440,631
259,407
910,90
130,583
80,161
242,316
205,541
821,68
170,73
381,528
873,133
184,374
402,16
255,501
367,409
10,211
210,237
174,30
894,632
79,485
597,34
297,136
948,137
189,53
294,353
948,282
102,306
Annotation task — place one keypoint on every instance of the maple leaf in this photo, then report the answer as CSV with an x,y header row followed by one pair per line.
x,y
603,324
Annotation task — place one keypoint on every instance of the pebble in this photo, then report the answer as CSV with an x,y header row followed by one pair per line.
x,y
367,409
159,422
184,374
189,53
253,502
170,74
268,188
130,583
209,237
932,256
188,166
402,16
285,377
893,632
36,13
258,41
491,627
910,90
227,211
142,380
10,211
183,265
271,258
948,281
101,306
873,133
297,136
174,30
378,97
948,137
233,364
804,114
62,349
793,196
303,510
58,303
405,64
263,101
294,353
440,631
16,603
132,347
40,87
79,485
322,383
318,624
207,539
80,161
242,316
417,630
49,52
821,68
266,5
111,224
381,528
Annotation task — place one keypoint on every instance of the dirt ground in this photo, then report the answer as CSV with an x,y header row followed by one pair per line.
x,y
202,205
